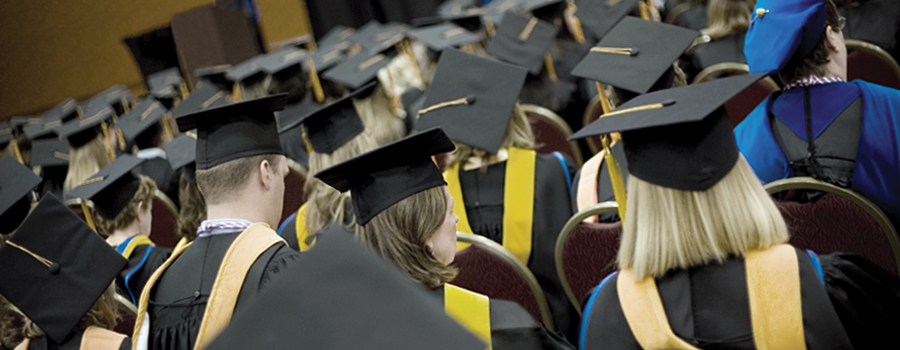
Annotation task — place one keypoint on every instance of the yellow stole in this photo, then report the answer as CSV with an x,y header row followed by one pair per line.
x,y
241,255
773,287
94,338
471,309
137,241
518,202
300,228
586,194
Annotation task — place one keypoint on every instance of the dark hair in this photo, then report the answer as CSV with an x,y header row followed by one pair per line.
x,y
813,64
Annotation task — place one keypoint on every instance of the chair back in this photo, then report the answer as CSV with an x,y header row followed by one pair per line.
x,y
488,268
586,252
840,221
674,16
593,112
127,315
165,221
551,132
871,63
294,195
739,106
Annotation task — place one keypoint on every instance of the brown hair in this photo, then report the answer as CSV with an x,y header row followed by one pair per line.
x,y
799,66
129,214
518,135
223,182
728,17
399,234
192,210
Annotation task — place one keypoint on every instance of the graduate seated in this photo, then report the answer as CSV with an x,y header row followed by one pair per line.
x,y
143,131
123,204
334,134
723,39
240,171
404,212
90,148
819,125
503,189
62,282
703,260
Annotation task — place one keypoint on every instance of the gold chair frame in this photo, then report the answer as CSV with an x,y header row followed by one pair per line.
x,y
123,301
560,124
731,67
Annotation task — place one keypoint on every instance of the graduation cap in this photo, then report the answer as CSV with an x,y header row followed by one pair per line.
x,y
523,41
677,138
778,29
111,188
441,36
293,114
386,175
63,111
352,299
472,99
19,121
545,10
334,125
360,69
181,154
378,38
250,68
215,74
635,54
117,96
599,16
16,183
495,11
336,35
235,131
61,268
146,114
6,133
365,32
288,57
81,131
43,130
327,57
205,96
163,84
454,7
50,153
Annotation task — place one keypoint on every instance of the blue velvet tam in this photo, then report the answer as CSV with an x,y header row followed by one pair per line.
x,y
778,28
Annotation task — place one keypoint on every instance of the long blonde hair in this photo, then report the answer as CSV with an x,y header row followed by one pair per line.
x,y
518,135
377,114
728,17
669,229
85,161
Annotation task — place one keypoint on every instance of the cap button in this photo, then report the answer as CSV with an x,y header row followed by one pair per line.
x,y
761,12
54,268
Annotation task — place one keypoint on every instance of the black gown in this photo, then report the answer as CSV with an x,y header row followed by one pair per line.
x,y
144,260
483,196
178,300
73,343
727,49
513,328
604,183
707,306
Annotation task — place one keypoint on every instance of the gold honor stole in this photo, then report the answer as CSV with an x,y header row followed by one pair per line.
x,y
518,202
241,255
773,287
471,309
586,194
300,227
94,338
137,241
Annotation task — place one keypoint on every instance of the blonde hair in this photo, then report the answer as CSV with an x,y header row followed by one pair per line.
x,y
325,205
223,182
377,114
518,135
667,229
728,17
104,314
399,234
192,209
85,161
129,214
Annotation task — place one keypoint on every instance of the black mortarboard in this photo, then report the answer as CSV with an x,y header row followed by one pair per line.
x,y
165,83
382,37
495,11
117,96
181,154
19,121
332,126
441,36
454,7
293,114
81,131
49,153
65,111
205,96
235,131
146,114
635,54
384,176
43,130
16,183
678,138
327,57
351,299
336,35
279,61
56,268
472,99
250,68
6,133
112,187
599,16
523,41
365,32
545,10
360,69
215,74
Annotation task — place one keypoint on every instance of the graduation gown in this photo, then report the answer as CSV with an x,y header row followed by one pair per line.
x,y
483,194
876,171
178,300
707,306
73,343
143,259
727,49
513,328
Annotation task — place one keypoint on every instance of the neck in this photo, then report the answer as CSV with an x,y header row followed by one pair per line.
x,y
123,234
241,210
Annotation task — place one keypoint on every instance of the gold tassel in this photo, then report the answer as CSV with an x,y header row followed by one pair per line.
x,y
311,45
167,128
645,10
236,92
314,78
612,165
16,152
551,70
87,215
574,23
120,138
106,137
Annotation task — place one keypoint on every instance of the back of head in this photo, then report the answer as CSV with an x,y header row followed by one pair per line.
x,y
129,214
225,182
518,135
86,161
800,66
728,17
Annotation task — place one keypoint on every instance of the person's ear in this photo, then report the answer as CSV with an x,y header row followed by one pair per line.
x,y
139,208
265,173
832,39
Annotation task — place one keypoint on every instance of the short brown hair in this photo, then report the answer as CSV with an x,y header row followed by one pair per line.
x,y
799,66
129,214
222,182
399,234
192,209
